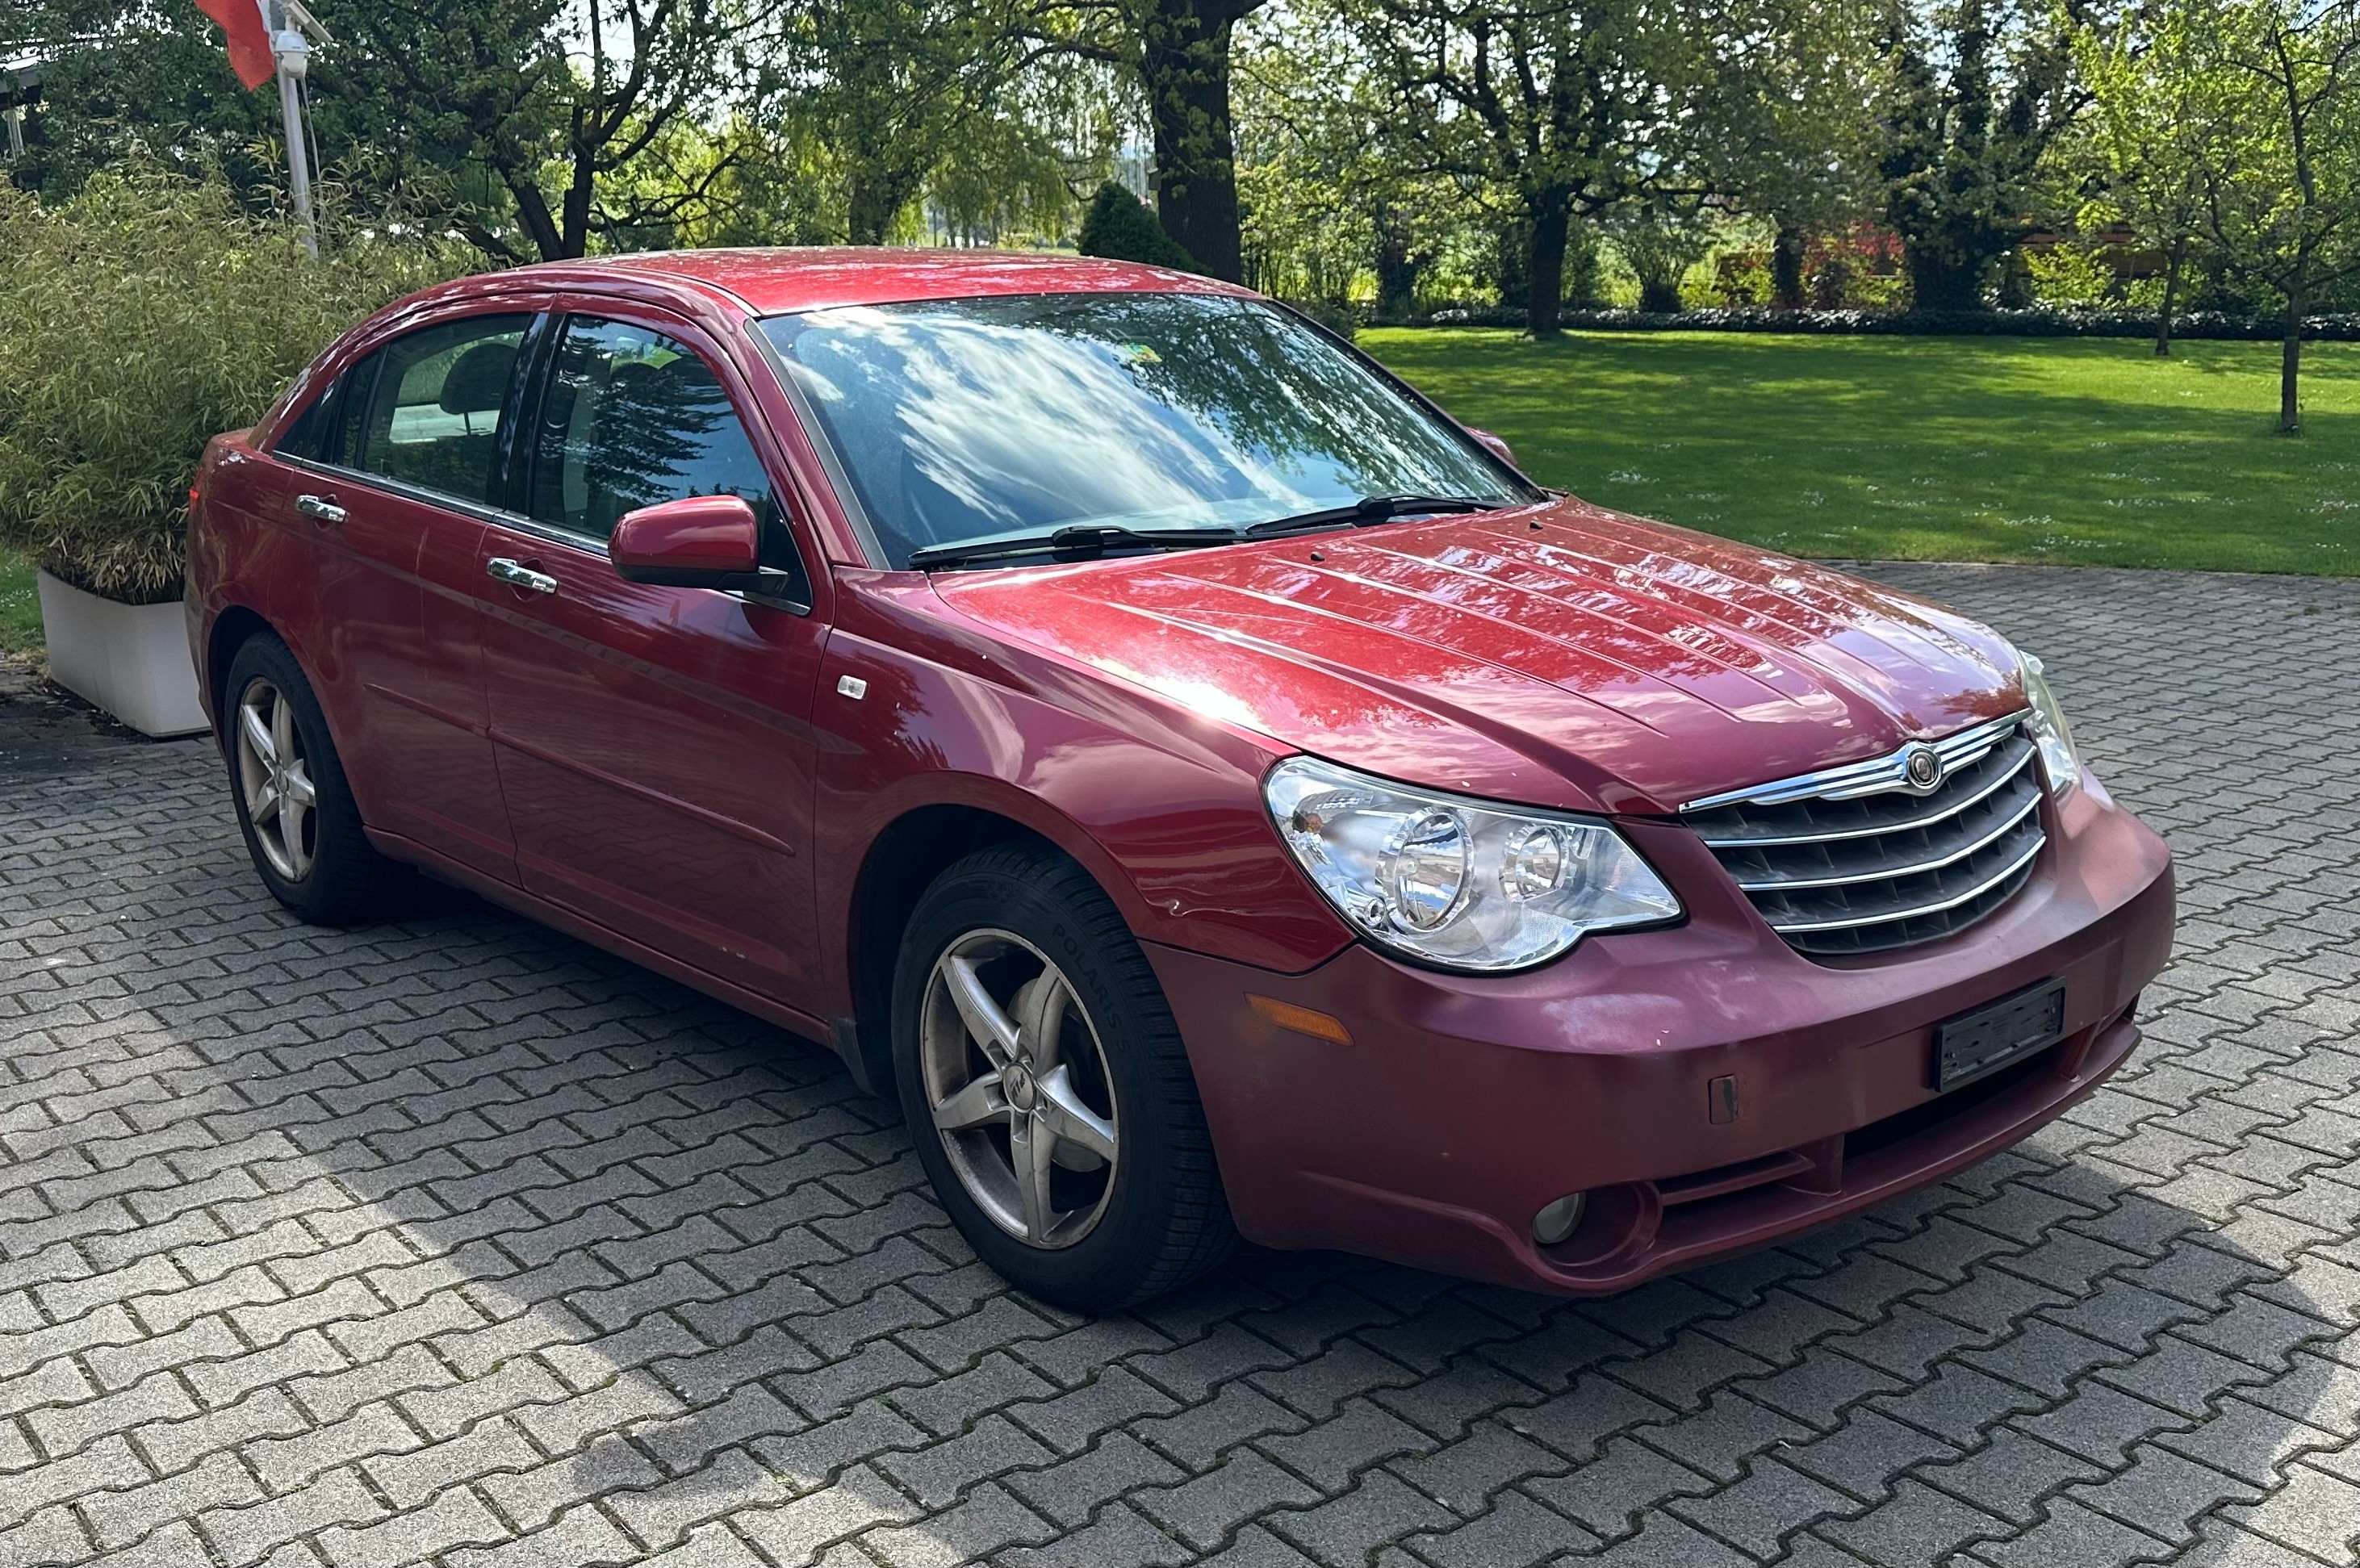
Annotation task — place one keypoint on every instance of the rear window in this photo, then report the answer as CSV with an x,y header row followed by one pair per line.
x,y
434,419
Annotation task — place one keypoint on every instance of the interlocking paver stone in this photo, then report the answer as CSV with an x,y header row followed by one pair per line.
x,y
450,1236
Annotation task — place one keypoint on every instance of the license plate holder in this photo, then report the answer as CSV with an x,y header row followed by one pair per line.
x,y
1972,1044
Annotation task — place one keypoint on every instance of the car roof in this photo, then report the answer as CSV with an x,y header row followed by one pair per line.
x,y
775,281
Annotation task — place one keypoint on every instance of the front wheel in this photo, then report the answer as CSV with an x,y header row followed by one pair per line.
x,y
1046,1087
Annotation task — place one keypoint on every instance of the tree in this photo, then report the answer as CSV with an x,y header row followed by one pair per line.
x,y
1978,90
122,81
1116,224
1179,51
1567,107
1330,192
511,88
2158,111
2282,195
891,87
1799,137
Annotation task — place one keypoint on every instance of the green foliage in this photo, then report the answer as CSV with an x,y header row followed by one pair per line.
x,y
2090,451
1119,224
149,77
892,86
1561,111
2153,132
136,322
2283,187
2072,272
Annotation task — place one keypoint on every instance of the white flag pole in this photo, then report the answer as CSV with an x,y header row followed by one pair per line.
x,y
294,57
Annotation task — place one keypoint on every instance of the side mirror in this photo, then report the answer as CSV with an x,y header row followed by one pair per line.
x,y
699,541
1494,445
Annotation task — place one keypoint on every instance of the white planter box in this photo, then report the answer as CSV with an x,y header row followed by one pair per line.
x,y
130,659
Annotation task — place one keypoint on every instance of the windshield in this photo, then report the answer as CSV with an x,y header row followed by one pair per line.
x,y
965,420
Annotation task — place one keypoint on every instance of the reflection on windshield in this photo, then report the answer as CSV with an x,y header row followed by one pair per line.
x,y
964,420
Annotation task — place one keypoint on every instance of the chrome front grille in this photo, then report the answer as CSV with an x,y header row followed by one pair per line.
x,y
1858,859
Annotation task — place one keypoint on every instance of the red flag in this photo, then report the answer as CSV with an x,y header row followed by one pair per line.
x,y
249,40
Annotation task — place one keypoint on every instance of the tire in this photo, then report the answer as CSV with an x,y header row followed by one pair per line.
x,y
328,873
1149,1215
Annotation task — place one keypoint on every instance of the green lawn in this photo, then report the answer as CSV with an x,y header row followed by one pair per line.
x,y
2091,452
20,608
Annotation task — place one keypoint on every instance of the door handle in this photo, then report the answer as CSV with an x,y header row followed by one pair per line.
x,y
319,509
501,569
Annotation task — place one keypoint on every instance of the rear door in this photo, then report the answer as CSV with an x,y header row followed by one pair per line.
x,y
389,474
655,747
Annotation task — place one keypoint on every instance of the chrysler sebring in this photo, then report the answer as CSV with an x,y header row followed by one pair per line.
x,y
1211,790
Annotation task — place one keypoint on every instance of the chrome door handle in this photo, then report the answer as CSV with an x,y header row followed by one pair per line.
x,y
319,510
505,571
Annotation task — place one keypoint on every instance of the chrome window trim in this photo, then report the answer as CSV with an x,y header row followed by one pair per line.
x,y
1875,776
515,522
479,511
1894,917
1990,788
2031,804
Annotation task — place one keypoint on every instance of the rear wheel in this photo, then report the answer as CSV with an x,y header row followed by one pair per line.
x,y
1047,1089
294,807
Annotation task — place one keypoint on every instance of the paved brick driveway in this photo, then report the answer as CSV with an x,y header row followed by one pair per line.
x,y
458,1240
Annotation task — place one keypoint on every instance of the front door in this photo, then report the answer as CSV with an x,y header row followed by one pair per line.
x,y
654,744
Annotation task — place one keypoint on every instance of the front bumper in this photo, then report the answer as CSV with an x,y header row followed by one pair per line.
x,y
1464,1103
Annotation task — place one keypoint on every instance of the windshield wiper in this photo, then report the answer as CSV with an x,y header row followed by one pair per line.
x,y
1370,510
1078,540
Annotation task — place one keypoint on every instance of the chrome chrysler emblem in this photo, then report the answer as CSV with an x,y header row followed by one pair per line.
x,y
1922,766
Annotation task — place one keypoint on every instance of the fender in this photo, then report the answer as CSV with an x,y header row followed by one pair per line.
x,y
241,559
1161,805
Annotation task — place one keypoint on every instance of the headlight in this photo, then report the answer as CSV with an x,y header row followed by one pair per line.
x,y
1454,882
2049,732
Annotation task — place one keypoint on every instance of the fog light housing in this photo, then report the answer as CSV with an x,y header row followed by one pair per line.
x,y
1555,1221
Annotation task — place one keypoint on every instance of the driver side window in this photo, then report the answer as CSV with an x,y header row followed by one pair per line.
x,y
633,418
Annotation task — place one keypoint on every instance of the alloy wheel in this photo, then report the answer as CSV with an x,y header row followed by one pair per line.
x,y
1016,1077
281,802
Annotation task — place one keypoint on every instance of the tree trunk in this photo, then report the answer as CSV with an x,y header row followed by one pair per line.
x,y
576,239
2290,364
1786,267
2016,281
2170,297
870,206
1185,66
1940,281
1397,271
1545,268
1512,248
1660,294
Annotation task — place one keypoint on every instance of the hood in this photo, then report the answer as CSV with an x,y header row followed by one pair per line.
x,y
1556,655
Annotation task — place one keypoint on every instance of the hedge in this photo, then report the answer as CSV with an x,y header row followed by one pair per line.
x,y
2343,327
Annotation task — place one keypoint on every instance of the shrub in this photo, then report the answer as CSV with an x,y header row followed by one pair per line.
x,y
2032,324
2069,273
1119,225
136,322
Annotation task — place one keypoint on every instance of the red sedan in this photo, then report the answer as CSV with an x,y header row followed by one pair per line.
x,y
1212,789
